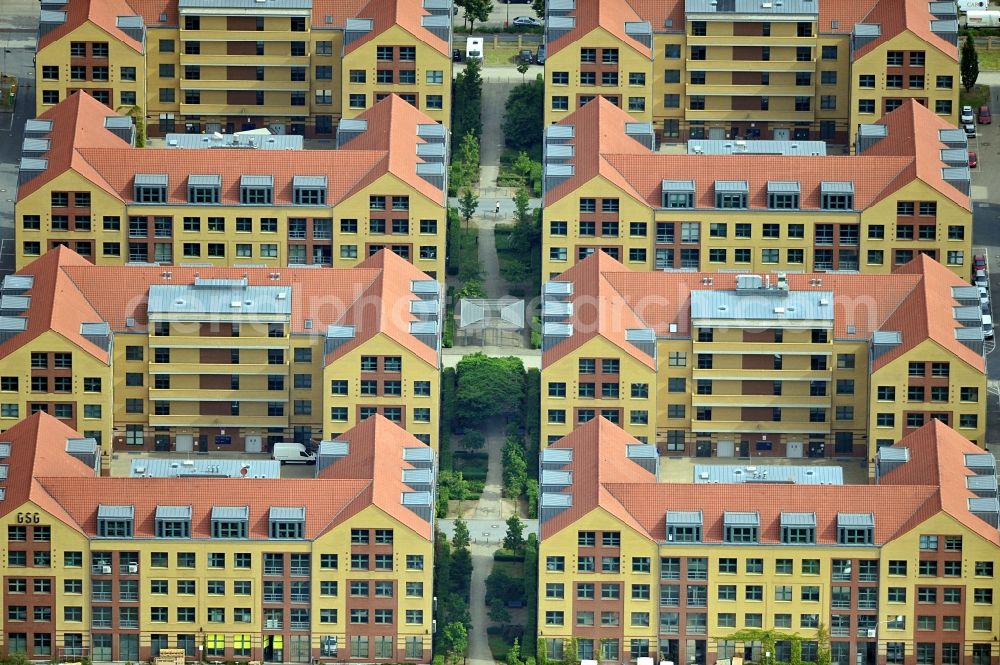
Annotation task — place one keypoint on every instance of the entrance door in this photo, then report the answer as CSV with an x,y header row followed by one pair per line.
x,y
202,443
277,127
793,449
782,134
817,449
726,448
161,443
717,133
703,449
744,448
274,649
254,444
184,443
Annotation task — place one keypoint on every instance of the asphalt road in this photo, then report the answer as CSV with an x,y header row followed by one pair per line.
x,y
18,27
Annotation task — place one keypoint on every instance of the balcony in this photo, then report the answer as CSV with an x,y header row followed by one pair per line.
x,y
128,623
726,65
221,60
840,631
299,625
101,568
274,597
759,348
230,84
217,368
273,624
100,623
783,401
841,604
127,569
218,421
300,597
246,110
273,569
217,342
757,116
772,90
300,571
100,597
244,35
783,427
128,596
787,41
739,374
207,395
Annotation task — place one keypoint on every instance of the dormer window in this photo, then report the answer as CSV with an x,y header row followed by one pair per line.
x,y
837,195
173,521
256,190
782,195
855,528
798,528
678,193
230,522
731,194
309,190
684,526
115,521
286,523
741,527
204,188
151,188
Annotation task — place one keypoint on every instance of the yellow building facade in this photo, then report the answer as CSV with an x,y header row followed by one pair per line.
x,y
799,71
756,205
203,359
723,365
217,67
630,567
239,569
85,186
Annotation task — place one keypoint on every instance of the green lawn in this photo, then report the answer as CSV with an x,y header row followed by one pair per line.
x,y
989,61
975,98
502,54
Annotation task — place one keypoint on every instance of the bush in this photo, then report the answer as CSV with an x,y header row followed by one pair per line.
x,y
507,555
523,117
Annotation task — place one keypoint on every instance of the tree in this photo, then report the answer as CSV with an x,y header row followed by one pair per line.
x,y
539,7
460,539
523,117
455,641
467,204
468,92
970,63
474,440
473,288
515,468
477,10
514,654
522,69
514,540
498,610
489,386
527,231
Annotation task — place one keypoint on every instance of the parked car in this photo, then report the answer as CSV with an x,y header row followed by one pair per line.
x,y
973,159
981,280
985,117
979,260
966,115
456,55
526,22
511,2
540,55
970,130
987,326
525,56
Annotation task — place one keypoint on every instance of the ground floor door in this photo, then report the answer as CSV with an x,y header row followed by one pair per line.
x,y
782,134
717,133
726,448
793,449
202,443
277,127
184,443
254,443
274,648
744,448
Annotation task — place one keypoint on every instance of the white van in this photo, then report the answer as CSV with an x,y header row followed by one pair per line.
x,y
292,453
987,326
474,48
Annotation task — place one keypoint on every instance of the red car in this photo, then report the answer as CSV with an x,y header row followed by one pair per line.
x,y
985,117
978,262
973,159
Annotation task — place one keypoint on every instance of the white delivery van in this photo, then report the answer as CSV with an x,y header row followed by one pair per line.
x,y
977,19
987,326
474,48
292,453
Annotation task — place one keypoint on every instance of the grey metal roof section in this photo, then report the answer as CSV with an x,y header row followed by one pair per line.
x,y
151,179
804,7
49,16
287,514
37,126
152,467
684,517
943,9
237,141
15,303
561,22
982,485
981,462
968,313
187,299
557,309
740,519
12,324
431,131
424,307
425,287
309,181
735,186
173,512
887,337
855,519
429,168
782,187
869,30
423,327
678,186
81,446
557,456
984,505
129,22
875,131
340,332
836,187
230,513
256,181
187,6
418,476
25,282
755,147
556,477
204,180
120,121
418,455
557,329
416,498
92,329
430,151
955,156
894,454
970,333
556,288
791,306
560,131
798,519
965,293
557,500
35,145
560,151
115,512
638,451
557,170
336,448
768,473
954,138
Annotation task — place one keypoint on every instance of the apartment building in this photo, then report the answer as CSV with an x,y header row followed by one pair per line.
x,y
295,67
902,571
335,568
749,365
756,205
206,359
217,202
726,69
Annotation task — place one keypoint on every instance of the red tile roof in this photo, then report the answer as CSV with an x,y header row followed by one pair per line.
x,y
374,297
894,17
82,144
371,475
896,506
915,300
101,13
602,148
609,15
407,14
